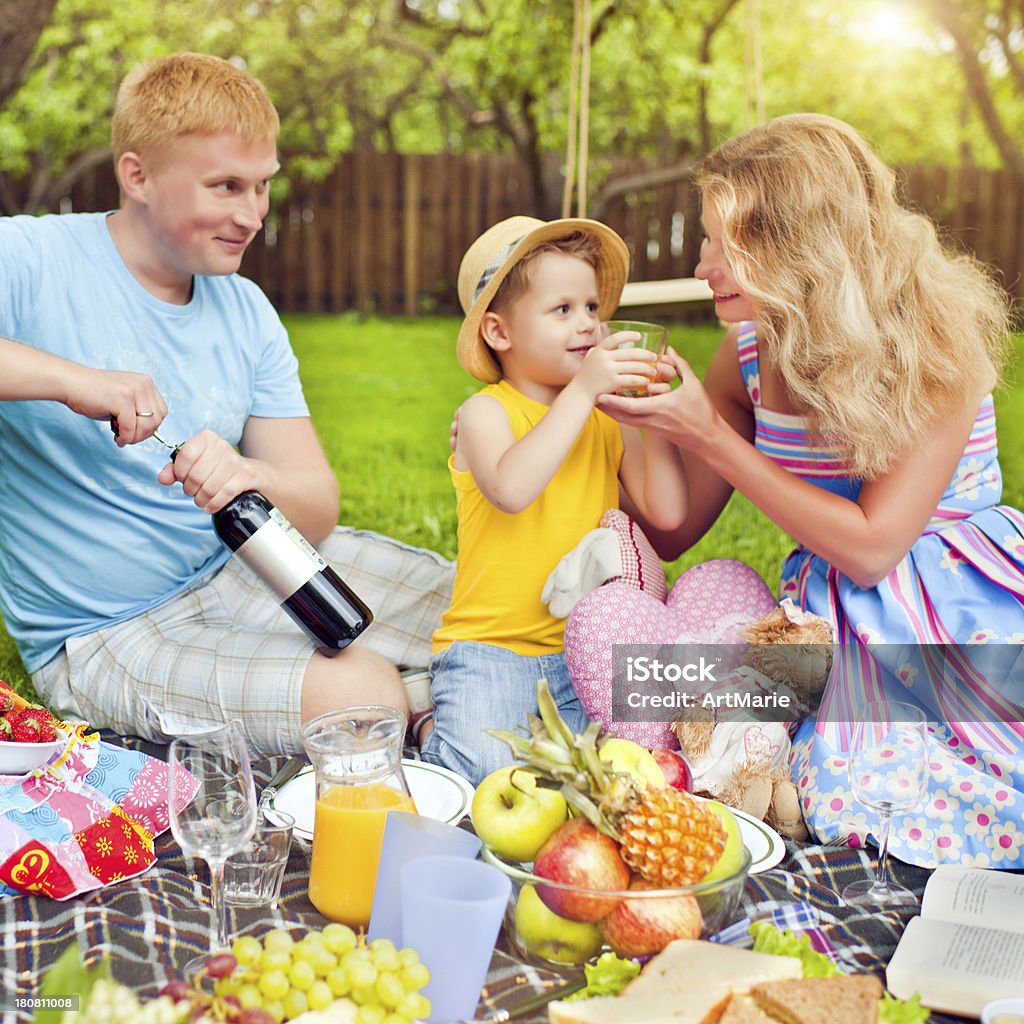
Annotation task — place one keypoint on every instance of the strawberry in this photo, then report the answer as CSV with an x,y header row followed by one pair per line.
x,y
5,729
32,725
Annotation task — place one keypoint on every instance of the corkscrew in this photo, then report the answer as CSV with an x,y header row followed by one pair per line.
x,y
175,448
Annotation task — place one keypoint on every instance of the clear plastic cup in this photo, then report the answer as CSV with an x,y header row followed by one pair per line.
x,y
253,875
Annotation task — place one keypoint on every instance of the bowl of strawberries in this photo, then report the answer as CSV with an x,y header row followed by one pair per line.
x,y
29,734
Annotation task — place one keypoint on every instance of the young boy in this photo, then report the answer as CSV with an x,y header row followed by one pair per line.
x,y
123,601
535,466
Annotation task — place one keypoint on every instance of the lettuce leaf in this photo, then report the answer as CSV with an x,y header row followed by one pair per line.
x,y
901,1011
769,939
69,976
608,975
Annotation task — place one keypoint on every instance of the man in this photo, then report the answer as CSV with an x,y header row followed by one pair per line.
x,y
122,600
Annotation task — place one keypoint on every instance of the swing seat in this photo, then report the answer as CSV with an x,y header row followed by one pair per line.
x,y
659,293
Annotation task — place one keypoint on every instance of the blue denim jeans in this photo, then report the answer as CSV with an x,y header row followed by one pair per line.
x,y
478,686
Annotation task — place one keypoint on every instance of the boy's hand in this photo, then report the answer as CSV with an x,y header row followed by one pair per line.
x,y
210,471
608,368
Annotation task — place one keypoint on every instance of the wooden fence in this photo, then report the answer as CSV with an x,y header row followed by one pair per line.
x,y
385,232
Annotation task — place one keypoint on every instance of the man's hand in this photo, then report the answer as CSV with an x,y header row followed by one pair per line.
x,y
210,471
129,400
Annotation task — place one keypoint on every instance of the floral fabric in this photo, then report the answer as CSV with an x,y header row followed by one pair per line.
x,y
82,821
916,637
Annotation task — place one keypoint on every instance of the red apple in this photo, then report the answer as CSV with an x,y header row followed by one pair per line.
x,y
647,924
674,766
577,854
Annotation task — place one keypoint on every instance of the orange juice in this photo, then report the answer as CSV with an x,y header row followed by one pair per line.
x,y
347,834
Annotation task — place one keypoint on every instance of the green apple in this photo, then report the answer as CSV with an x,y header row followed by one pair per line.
x,y
551,937
513,815
732,856
626,756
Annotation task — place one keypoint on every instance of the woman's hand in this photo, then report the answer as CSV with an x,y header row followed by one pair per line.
x,y
685,416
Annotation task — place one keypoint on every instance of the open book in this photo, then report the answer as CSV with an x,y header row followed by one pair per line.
x,y
967,947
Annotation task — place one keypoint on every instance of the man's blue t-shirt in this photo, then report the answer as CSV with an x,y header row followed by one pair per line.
x,y
88,536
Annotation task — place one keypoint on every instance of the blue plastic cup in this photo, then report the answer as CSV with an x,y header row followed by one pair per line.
x,y
452,910
407,837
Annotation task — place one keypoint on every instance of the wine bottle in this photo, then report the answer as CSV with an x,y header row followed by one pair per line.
x,y
310,591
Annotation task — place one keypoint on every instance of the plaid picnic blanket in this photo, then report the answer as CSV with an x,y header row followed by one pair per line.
x,y
153,924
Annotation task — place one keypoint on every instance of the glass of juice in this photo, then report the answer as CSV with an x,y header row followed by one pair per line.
x,y
356,753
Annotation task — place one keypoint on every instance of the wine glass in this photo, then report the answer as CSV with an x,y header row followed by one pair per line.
x,y
889,773
212,807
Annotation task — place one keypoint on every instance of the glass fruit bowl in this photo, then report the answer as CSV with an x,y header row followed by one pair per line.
x,y
634,922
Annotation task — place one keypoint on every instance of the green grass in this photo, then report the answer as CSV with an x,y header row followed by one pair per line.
x,y
382,392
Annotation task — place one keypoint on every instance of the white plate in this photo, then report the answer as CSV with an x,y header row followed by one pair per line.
x,y
764,843
437,792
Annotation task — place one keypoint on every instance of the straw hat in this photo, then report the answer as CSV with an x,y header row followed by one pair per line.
x,y
491,257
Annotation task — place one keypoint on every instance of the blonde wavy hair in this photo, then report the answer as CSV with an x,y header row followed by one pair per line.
x,y
876,328
189,94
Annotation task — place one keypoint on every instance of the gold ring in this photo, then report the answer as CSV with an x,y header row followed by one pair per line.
x,y
145,415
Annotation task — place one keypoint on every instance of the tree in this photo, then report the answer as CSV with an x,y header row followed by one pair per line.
x,y
989,38
21,21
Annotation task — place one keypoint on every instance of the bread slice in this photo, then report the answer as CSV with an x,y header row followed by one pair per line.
x,y
690,965
652,1008
743,1010
843,999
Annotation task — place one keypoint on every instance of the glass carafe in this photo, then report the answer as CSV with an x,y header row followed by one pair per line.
x,y
357,755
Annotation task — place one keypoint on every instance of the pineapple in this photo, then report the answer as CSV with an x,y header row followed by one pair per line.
x,y
667,836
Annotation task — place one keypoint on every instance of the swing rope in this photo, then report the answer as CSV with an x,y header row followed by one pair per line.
x,y
577,141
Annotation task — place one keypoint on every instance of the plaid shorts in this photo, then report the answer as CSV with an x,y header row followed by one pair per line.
x,y
224,648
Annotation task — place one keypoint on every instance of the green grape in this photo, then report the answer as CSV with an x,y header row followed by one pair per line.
x,y
247,950
278,939
275,1009
319,995
274,984
360,970
339,938
370,1015
301,975
324,961
415,976
249,995
294,1003
390,990
337,981
385,956
407,955
396,1018
228,986
304,952
363,996
275,960
415,1006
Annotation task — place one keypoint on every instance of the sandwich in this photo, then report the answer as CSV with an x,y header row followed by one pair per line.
x,y
743,1010
689,982
843,999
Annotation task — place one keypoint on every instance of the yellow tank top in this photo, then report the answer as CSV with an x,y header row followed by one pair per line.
x,y
505,559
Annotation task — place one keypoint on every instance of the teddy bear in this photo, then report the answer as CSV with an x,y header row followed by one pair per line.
x,y
744,763
612,589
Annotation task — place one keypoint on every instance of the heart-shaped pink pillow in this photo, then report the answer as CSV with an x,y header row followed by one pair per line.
x,y
710,603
